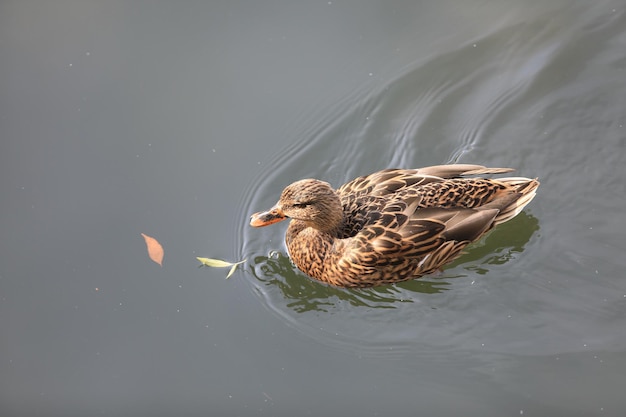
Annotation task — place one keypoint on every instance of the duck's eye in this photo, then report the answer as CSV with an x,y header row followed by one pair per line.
x,y
300,205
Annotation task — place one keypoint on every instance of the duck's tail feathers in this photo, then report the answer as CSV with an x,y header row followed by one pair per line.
x,y
525,191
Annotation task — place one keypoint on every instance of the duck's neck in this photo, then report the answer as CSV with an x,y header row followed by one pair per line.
x,y
308,247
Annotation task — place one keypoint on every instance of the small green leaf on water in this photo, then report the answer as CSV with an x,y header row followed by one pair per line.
x,y
218,263
215,263
232,270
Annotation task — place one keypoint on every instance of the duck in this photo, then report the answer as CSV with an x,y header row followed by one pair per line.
x,y
393,225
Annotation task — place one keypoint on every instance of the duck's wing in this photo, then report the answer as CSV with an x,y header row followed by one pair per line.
x,y
461,170
403,240
390,181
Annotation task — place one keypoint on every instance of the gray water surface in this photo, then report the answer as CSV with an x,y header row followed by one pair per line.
x,y
180,119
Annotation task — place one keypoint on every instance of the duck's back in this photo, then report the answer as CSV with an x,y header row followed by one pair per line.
x,y
364,198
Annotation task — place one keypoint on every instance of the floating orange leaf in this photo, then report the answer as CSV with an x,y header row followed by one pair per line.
x,y
155,250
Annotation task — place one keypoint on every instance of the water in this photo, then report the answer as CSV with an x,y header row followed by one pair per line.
x,y
179,122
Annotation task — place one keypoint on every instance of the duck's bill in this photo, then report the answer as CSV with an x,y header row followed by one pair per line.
x,y
266,218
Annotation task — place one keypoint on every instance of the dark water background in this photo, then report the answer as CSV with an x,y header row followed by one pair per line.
x,y
179,119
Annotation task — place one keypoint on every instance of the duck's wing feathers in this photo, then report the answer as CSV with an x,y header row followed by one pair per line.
x,y
460,170
427,238
391,181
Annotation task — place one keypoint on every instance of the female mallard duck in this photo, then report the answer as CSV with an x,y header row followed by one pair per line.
x,y
393,225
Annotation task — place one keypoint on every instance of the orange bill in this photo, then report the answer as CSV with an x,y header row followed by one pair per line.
x,y
265,218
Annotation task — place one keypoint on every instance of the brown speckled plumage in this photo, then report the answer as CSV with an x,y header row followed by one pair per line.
x,y
393,225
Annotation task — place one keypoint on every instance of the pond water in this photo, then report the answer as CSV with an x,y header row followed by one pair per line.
x,y
180,119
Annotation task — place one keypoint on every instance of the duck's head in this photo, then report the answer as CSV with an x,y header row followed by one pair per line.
x,y
311,201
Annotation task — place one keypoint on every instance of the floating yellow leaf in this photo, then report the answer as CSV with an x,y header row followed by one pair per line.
x,y
215,263
218,263
155,250
232,270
